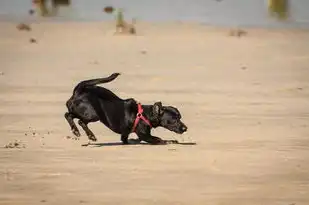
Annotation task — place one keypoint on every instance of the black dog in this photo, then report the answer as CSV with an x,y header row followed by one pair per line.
x,y
91,103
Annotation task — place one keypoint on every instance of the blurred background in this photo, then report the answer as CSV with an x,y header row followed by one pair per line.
x,y
212,12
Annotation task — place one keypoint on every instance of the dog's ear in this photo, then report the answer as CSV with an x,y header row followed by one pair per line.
x,y
157,109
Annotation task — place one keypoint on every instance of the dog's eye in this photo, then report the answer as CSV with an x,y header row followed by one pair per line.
x,y
173,120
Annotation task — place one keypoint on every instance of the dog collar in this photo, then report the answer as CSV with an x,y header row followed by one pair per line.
x,y
140,116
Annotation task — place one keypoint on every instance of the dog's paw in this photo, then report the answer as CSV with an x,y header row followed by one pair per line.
x,y
92,138
76,132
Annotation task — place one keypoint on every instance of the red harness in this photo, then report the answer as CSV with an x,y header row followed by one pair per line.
x,y
140,116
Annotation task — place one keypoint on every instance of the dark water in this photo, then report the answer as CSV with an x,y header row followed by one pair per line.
x,y
224,12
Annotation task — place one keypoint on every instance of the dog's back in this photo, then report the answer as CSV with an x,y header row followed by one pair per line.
x,y
88,88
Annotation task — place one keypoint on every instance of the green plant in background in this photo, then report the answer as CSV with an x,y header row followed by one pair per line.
x,y
41,6
122,26
279,9
45,11
118,12
119,17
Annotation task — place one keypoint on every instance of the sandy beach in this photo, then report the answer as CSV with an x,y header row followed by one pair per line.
x,y
245,101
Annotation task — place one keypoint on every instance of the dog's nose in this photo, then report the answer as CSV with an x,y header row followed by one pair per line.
x,y
184,128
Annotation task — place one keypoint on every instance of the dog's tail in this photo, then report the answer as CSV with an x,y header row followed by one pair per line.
x,y
96,81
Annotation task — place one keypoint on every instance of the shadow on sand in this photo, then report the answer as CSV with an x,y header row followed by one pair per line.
x,y
109,144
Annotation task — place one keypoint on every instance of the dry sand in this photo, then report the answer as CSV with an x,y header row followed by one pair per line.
x,y
245,101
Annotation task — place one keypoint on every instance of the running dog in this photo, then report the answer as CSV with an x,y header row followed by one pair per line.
x,y
91,103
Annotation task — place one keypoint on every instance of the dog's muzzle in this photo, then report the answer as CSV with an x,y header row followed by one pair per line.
x,y
184,128
181,129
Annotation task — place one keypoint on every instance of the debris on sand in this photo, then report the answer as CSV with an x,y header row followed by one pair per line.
x,y
132,30
32,40
72,138
1,73
238,33
16,144
108,9
23,27
8,174
94,62
31,12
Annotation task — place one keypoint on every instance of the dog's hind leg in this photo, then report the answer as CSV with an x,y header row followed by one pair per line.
x,y
89,133
69,117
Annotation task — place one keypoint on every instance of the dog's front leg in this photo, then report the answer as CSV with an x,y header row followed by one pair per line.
x,y
156,140
150,139
124,138
145,135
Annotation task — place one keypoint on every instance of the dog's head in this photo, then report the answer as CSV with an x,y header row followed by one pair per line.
x,y
169,117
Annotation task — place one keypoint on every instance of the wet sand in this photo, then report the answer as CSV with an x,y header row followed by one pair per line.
x,y
245,101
